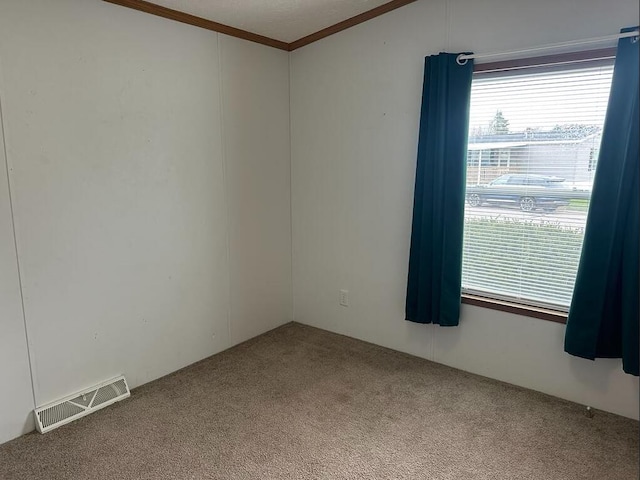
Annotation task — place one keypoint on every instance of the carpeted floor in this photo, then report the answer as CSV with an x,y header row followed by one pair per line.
x,y
301,403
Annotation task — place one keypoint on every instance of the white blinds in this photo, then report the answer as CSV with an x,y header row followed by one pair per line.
x,y
533,147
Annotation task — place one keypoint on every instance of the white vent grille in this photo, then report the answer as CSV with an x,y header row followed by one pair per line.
x,y
79,404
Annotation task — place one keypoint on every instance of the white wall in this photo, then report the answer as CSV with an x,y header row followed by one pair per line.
x,y
16,400
258,173
355,100
131,143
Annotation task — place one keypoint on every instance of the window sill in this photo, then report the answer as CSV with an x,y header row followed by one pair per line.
x,y
518,309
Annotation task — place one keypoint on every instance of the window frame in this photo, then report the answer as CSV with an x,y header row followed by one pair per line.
x,y
559,62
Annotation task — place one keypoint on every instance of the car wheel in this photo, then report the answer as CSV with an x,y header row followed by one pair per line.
x,y
474,200
527,204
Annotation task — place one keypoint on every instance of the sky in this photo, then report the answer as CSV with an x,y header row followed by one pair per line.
x,y
542,100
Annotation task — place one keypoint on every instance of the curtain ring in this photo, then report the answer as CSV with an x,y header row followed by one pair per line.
x,y
460,61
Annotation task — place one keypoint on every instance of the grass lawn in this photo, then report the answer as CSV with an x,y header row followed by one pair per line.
x,y
578,204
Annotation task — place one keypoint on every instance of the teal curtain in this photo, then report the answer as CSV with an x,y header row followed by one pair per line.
x,y
435,259
603,318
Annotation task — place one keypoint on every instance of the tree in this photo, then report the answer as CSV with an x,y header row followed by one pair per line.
x,y
499,124
574,131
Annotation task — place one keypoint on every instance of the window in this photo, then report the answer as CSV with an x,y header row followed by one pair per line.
x,y
526,211
472,159
515,180
503,180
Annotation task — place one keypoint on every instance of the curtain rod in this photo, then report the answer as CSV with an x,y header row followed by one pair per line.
x,y
462,59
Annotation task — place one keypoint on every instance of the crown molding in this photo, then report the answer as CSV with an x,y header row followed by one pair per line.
x,y
348,23
182,17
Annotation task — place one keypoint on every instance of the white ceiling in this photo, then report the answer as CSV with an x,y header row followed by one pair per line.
x,y
285,20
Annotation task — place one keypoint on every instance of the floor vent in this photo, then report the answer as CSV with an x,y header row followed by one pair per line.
x,y
79,404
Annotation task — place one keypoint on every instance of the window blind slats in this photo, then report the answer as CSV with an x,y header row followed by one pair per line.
x,y
533,147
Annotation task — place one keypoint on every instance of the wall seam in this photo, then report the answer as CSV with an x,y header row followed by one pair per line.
x,y
447,25
223,151
30,358
293,303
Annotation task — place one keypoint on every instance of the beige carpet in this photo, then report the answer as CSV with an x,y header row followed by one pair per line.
x,y
301,403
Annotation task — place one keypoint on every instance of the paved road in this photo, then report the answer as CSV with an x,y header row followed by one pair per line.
x,y
570,218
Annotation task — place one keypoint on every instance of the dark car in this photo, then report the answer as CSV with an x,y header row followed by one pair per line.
x,y
529,192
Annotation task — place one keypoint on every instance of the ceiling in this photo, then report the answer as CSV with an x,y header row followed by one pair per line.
x,y
284,20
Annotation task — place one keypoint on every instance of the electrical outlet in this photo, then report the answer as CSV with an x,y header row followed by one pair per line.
x,y
344,298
